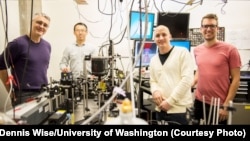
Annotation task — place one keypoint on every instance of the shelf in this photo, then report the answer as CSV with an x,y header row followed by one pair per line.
x,y
243,92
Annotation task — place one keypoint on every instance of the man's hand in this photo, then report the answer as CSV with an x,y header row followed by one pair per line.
x,y
157,97
164,106
223,114
65,70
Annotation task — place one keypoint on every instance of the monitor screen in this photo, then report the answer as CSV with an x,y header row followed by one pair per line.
x,y
181,43
137,25
178,23
149,50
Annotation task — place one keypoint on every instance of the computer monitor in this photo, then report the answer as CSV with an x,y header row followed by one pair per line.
x,y
137,25
181,43
178,23
149,50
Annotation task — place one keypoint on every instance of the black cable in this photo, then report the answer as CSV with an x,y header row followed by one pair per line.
x,y
27,55
122,35
6,24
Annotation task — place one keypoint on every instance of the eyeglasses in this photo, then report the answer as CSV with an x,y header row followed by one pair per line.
x,y
207,26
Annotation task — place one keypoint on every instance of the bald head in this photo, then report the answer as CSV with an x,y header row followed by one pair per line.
x,y
162,28
162,38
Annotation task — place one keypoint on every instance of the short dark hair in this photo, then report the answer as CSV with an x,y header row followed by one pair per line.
x,y
210,16
80,23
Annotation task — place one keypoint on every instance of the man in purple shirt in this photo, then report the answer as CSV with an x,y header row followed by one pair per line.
x,y
25,61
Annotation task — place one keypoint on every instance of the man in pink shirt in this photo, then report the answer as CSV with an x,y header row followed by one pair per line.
x,y
217,76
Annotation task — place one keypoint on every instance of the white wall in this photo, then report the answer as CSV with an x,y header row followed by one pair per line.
x,y
65,13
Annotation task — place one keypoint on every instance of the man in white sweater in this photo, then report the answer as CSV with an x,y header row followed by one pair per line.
x,y
171,77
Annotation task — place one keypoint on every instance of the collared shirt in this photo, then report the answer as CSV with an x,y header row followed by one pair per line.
x,y
73,58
